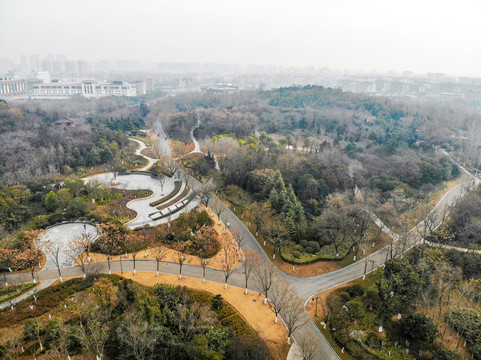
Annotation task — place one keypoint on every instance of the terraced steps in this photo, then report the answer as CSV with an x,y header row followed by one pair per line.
x,y
173,208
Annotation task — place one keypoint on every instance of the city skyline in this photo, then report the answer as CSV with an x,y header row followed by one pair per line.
x,y
365,37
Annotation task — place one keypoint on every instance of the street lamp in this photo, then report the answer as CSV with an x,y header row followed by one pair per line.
x,y
316,298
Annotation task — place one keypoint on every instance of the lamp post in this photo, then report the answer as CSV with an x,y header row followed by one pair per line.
x,y
121,268
316,298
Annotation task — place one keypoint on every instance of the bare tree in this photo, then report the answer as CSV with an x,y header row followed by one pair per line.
x,y
133,245
54,250
281,296
266,273
77,254
444,279
205,191
181,259
203,263
95,328
405,237
426,218
293,316
158,252
137,335
366,251
162,180
274,231
444,212
218,207
170,165
239,239
6,262
251,259
308,347
36,328
227,265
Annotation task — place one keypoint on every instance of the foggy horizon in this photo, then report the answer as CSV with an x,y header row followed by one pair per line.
x,y
346,35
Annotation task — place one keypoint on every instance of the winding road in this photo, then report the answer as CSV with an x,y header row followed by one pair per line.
x,y
305,287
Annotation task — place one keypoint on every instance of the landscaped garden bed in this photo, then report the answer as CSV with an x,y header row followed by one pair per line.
x,y
177,186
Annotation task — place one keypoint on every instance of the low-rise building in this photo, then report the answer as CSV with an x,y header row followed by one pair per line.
x,y
85,88
10,87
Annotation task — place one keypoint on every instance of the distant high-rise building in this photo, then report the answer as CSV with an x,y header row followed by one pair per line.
x,y
57,67
6,65
24,62
34,62
71,67
82,66
47,65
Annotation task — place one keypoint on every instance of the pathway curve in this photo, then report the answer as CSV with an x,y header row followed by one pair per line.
x,y
151,161
194,140
142,205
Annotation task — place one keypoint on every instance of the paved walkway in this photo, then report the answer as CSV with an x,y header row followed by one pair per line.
x,y
63,235
151,161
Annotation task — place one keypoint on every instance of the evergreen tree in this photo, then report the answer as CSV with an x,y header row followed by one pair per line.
x,y
51,201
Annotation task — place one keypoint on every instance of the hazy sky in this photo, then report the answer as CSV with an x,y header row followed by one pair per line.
x,y
417,35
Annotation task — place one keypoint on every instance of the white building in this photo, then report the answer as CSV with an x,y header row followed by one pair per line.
x,y
85,88
13,88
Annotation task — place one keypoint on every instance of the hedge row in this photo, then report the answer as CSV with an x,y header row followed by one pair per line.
x,y
178,198
289,258
178,185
